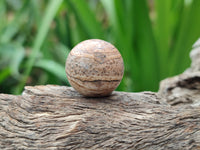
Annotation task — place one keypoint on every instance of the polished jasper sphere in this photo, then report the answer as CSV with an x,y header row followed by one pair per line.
x,y
94,68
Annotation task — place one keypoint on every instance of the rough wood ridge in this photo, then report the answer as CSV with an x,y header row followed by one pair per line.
x,y
57,117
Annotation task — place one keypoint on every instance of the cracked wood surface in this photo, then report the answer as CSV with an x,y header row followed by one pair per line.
x,y
57,117
184,89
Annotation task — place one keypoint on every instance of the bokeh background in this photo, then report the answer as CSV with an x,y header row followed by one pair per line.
x,y
153,36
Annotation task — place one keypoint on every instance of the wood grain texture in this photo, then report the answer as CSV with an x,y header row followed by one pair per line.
x,y
184,89
57,117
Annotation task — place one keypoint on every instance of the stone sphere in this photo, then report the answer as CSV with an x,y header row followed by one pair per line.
x,y
94,68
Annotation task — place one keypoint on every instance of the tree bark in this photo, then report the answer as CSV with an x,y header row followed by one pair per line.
x,y
57,117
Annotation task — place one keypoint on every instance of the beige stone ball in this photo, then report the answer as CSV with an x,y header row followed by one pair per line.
x,y
94,68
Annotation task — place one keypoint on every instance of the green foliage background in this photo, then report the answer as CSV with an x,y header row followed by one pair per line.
x,y
154,38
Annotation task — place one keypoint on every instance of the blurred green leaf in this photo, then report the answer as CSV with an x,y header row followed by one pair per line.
x,y
17,58
146,47
16,4
12,27
54,68
4,74
87,18
50,12
36,4
123,35
12,56
188,33
2,14
61,52
163,25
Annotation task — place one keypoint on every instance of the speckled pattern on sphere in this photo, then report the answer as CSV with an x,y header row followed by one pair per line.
x,y
94,68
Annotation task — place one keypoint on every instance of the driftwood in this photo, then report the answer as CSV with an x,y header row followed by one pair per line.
x,y
57,117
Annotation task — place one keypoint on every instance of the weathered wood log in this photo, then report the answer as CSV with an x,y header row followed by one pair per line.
x,y
184,89
50,117
57,117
